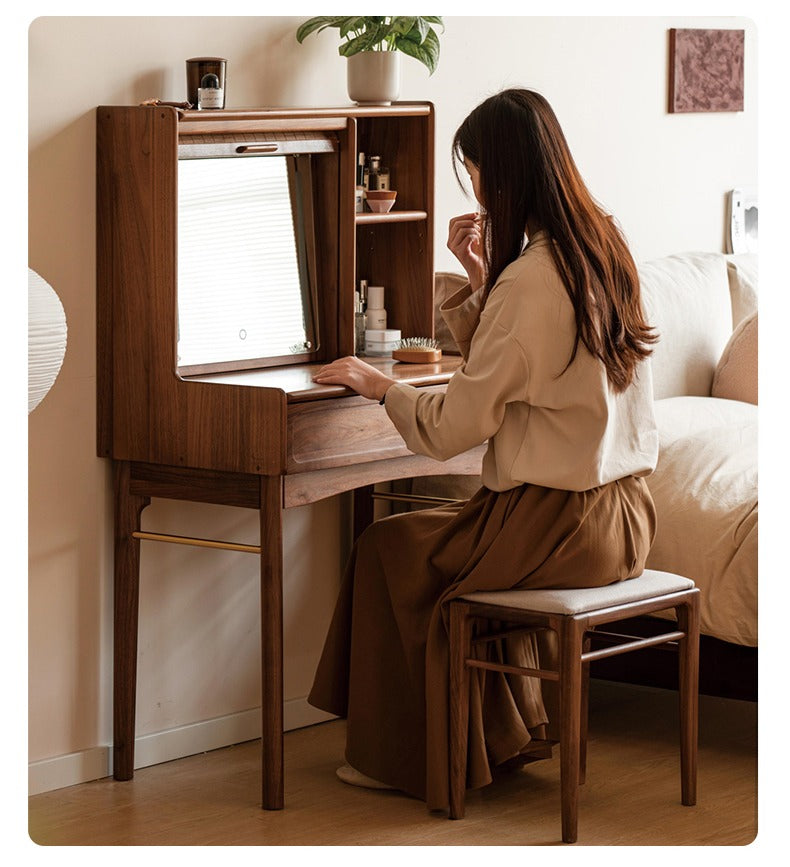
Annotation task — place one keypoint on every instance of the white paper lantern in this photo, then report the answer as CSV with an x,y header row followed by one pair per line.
x,y
46,338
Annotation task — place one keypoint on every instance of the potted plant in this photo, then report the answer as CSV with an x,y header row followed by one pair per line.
x,y
372,44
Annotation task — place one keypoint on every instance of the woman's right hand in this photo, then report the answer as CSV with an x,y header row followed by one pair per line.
x,y
464,242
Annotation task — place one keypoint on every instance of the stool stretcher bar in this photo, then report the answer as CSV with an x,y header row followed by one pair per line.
x,y
631,645
543,674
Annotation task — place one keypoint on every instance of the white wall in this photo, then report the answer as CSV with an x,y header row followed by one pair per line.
x,y
664,176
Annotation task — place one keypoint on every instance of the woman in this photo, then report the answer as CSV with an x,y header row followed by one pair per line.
x,y
555,378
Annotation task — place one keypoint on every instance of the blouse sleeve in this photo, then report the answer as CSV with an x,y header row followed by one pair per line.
x,y
461,312
473,407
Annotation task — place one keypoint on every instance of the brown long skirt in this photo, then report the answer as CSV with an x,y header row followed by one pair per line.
x,y
385,663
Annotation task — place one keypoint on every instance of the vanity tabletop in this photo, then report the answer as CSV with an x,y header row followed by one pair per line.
x,y
296,380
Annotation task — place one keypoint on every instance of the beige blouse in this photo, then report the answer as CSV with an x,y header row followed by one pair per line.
x,y
569,431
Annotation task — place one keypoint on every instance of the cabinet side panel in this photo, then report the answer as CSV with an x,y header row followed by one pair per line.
x,y
104,285
157,417
127,241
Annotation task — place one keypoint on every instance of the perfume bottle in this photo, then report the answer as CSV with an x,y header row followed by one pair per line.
x,y
210,94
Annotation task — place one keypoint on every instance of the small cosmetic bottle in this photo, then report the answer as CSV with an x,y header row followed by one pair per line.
x,y
210,94
359,192
375,314
359,325
384,179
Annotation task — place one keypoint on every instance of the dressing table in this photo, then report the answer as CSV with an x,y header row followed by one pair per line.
x,y
245,427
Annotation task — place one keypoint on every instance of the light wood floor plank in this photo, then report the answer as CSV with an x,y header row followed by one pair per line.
x,y
631,797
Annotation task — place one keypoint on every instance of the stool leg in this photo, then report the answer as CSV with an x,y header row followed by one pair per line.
x,y
585,711
460,650
688,621
570,642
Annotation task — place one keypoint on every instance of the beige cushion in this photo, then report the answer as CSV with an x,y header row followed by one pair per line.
x,y
736,374
578,600
687,300
742,273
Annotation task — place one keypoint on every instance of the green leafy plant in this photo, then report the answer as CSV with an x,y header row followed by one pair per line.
x,y
413,35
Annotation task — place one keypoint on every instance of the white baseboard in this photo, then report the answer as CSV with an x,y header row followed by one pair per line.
x,y
189,740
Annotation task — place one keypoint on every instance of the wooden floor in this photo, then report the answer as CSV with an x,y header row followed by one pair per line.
x,y
631,797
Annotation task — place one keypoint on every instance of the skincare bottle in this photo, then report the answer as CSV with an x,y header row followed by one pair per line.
x,y
373,173
375,314
384,179
359,325
210,93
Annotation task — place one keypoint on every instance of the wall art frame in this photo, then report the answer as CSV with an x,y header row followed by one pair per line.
x,y
706,70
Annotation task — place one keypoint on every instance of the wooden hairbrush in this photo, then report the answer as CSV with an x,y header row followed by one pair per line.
x,y
417,350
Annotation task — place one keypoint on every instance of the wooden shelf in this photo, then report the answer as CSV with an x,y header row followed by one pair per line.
x,y
367,218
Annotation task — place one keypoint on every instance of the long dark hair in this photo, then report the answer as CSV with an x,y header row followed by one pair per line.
x,y
528,176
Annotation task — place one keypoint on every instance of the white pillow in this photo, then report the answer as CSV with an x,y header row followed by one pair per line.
x,y
687,300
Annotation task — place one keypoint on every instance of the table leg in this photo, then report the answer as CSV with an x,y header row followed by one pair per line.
x,y
128,508
271,642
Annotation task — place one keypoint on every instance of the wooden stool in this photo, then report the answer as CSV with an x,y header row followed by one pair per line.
x,y
573,615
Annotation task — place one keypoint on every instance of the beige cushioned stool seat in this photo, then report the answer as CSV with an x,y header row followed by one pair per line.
x,y
649,584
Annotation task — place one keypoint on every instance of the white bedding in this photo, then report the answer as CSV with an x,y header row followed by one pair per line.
x,y
705,490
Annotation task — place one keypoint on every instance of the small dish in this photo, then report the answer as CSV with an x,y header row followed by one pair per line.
x,y
380,206
380,201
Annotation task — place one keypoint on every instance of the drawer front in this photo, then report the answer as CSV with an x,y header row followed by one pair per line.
x,y
340,433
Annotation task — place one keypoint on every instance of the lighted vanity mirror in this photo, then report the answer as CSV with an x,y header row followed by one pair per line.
x,y
246,257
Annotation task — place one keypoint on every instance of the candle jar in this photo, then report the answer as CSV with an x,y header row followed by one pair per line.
x,y
197,69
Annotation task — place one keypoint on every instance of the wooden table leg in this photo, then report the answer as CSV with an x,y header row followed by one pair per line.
x,y
128,508
271,642
460,650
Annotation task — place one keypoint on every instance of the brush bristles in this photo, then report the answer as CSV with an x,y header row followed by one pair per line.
x,y
418,343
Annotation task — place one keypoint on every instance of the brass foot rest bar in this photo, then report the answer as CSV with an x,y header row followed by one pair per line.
x,y
414,498
199,543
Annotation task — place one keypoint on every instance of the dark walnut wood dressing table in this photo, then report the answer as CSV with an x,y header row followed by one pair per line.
x,y
259,434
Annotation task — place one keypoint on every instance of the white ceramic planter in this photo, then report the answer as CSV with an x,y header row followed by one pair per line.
x,y
374,77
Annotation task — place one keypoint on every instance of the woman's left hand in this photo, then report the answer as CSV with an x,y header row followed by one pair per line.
x,y
354,373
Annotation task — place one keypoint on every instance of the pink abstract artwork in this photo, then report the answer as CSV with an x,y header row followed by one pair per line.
x,y
705,70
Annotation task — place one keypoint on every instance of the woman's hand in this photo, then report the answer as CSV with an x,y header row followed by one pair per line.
x,y
464,242
356,374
